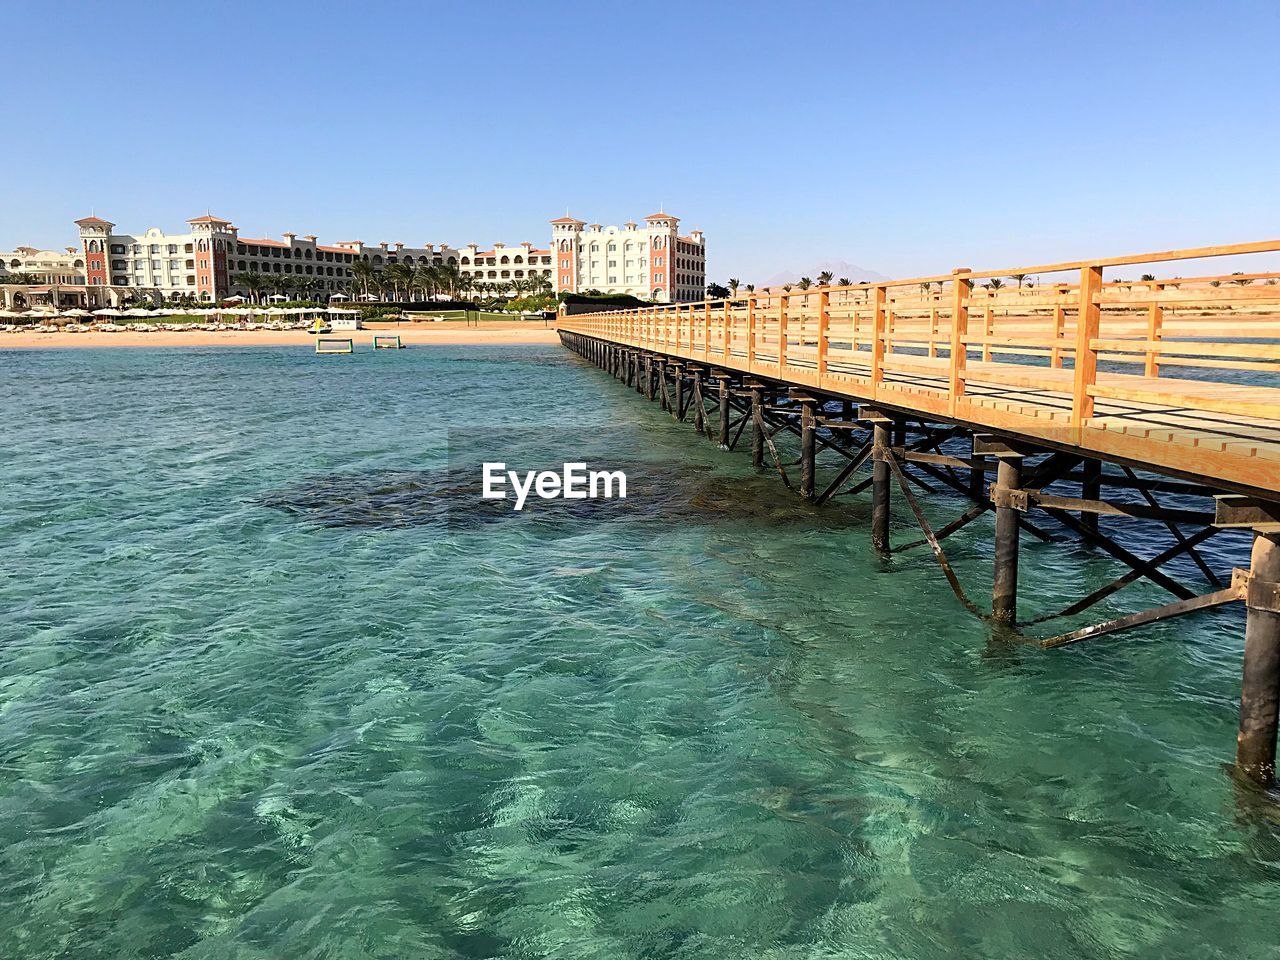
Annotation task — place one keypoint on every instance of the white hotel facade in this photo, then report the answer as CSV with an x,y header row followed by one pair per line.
x,y
109,266
653,262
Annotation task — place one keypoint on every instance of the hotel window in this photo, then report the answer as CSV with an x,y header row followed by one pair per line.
x,y
613,263
564,264
155,265
173,248
613,279
137,248
173,264
155,248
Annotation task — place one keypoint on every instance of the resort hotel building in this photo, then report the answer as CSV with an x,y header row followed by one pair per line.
x,y
109,267
653,262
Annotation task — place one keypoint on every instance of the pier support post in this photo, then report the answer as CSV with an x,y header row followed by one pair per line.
x,y
1004,585
978,478
678,375
808,448
723,437
663,401
880,475
699,411
1260,685
648,378
757,428
1091,489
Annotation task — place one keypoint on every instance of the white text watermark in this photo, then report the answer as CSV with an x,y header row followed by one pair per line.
x,y
573,482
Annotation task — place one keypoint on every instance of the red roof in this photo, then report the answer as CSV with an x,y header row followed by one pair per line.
x,y
568,219
96,220
265,243
334,249
661,216
208,218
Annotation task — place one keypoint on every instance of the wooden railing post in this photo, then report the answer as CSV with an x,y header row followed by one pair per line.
x,y
728,323
878,335
1088,320
1155,332
751,331
962,287
782,330
706,329
1059,323
824,323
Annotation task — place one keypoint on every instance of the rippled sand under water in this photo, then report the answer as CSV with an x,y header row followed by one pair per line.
x,y
273,684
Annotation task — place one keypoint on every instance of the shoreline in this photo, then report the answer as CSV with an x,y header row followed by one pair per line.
x,y
448,333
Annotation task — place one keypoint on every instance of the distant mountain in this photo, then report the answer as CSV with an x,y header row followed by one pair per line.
x,y
838,268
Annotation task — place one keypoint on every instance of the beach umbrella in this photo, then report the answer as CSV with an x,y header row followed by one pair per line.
x,y
339,296
109,312
277,296
75,313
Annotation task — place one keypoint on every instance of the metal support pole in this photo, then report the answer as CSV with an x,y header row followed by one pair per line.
x,y
678,411
699,411
723,438
1004,586
662,384
757,428
808,433
1260,686
978,479
880,474
648,378
1091,489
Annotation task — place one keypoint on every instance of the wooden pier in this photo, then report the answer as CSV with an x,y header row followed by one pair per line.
x,y
1087,398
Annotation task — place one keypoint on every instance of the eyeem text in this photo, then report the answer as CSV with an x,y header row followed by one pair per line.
x,y
573,482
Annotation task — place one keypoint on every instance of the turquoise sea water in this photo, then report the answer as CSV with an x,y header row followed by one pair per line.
x,y
270,687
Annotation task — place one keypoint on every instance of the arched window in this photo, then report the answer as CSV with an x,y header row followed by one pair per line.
x,y
466,261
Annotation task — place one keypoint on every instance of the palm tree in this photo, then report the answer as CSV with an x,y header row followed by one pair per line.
x,y
1147,277
824,278
400,277
1020,277
845,282
751,288
994,284
734,284
805,283
1244,281
253,283
363,273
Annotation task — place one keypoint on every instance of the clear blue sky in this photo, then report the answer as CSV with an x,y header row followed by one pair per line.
x,y
905,137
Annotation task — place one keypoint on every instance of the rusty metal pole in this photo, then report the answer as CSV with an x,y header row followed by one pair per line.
x,y
757,428
808,451
699,411
880,475
1260,685
723,437
1091,489
1004,586
978,478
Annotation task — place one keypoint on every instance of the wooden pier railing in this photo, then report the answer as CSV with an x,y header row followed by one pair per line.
x,y
1179,373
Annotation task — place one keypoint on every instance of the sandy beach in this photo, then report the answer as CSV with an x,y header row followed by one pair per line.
x,y
412,334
